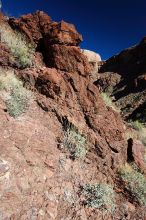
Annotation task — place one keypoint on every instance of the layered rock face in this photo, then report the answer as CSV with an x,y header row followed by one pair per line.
x,y
33,25
62,51
57,41
39,178
123,76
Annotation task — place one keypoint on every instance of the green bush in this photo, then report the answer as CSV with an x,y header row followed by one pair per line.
x,y
108,101
13,93
100,196
135,183
17,103
137,125
75,143
140,131
21,50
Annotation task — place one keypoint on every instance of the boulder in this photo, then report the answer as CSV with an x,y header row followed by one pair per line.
x,y
91,56
63,33
136,153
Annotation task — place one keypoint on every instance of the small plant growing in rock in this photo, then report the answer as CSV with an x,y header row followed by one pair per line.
x,y
108,101
18,102
135,183
140,131
100,196
21,50
137,125
13,93
75,143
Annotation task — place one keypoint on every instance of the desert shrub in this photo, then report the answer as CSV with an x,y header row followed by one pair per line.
x,y
17,103
75,143
21,50
13,93
100,196
135,183
140,131
143,136
108,101
137,125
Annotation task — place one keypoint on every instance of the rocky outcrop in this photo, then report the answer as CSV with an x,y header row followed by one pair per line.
x,y
67,58
137,153
63,33
123,76
39,178
39,24
32,25
58,41
78,100
92,57
62,51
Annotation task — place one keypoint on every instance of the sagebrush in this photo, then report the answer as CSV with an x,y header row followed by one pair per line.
x,y
21,50
137,125
108,101
75,143
140,129
16,97
100,196
135,183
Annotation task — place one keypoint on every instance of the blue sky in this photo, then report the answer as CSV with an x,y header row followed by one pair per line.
x,y
107,26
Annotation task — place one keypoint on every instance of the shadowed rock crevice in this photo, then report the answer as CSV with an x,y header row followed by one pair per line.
x,y
129,151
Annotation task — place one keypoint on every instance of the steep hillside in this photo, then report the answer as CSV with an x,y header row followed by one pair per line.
x,y
64,154
124,77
